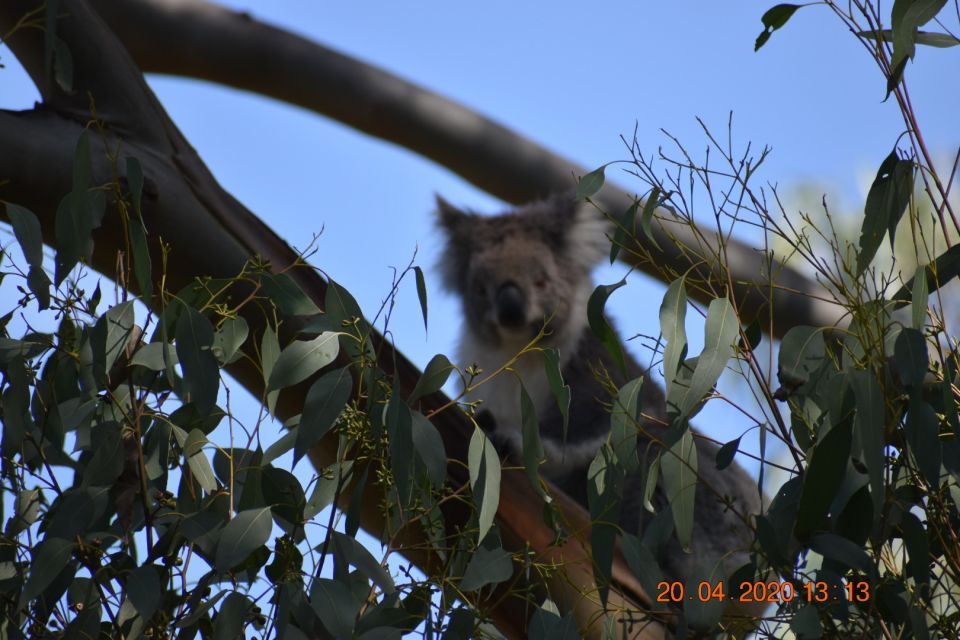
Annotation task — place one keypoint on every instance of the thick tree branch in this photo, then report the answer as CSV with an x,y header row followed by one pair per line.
x,y
212,234
197,39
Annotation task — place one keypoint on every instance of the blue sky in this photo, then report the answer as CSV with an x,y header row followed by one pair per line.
x,y
574,76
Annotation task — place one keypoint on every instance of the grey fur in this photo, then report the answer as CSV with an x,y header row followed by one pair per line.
x,y
539,258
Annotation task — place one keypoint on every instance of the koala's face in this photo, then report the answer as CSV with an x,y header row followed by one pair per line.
x,y
517,271
512,288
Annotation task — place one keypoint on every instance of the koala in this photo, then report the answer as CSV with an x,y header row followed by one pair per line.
x,y
530,270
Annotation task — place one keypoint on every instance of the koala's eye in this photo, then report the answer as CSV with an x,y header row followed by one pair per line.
x,y
540,282
477,289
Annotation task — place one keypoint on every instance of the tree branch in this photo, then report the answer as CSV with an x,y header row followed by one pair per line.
x,y
201,40
212,234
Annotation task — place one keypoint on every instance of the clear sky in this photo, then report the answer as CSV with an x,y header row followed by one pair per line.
x,y
574,76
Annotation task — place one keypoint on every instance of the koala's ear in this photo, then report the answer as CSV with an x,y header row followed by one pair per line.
x,y
454,259
449,218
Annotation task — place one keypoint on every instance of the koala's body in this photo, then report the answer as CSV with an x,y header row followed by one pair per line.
x,y
514,273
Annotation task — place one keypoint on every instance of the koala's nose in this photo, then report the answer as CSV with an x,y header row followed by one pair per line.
x,y
511,304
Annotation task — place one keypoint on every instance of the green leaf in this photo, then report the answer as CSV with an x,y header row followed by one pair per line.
x,y
598,323
918,549
487,566
919,299
548,625
337,609
905,18
886,201
591,183
868,430
802,352
673,315
340,304
679,467
484,466
201,375
322,407
910,356
50,557
726,453
284,495
806,623
228,340
929,38
62,65
117,326
199,465
155,356
722,330
604,491
269,353
241,536
356,554
923,435
624,230
825,472
429,447
559,389
26,228
80,212
773,19
434,377
287,295
650,484
421,294
142,266
839,549
938,273
143,588
26,509
302,358
400,429
646,217
532,447
624,420
643,564
232,617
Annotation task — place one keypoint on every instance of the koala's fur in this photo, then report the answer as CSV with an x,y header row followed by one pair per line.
x,y
516,271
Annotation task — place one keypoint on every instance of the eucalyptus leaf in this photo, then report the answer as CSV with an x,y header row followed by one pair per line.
x,y
673,314
599,325
533,454
241,536
591,183
679,466
50,557
421,294
434,377
430,449
325,402
302,358
486,566
335,606
484,466
201,375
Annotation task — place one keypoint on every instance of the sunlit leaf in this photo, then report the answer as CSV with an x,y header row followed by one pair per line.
x,y
484,466
591,183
